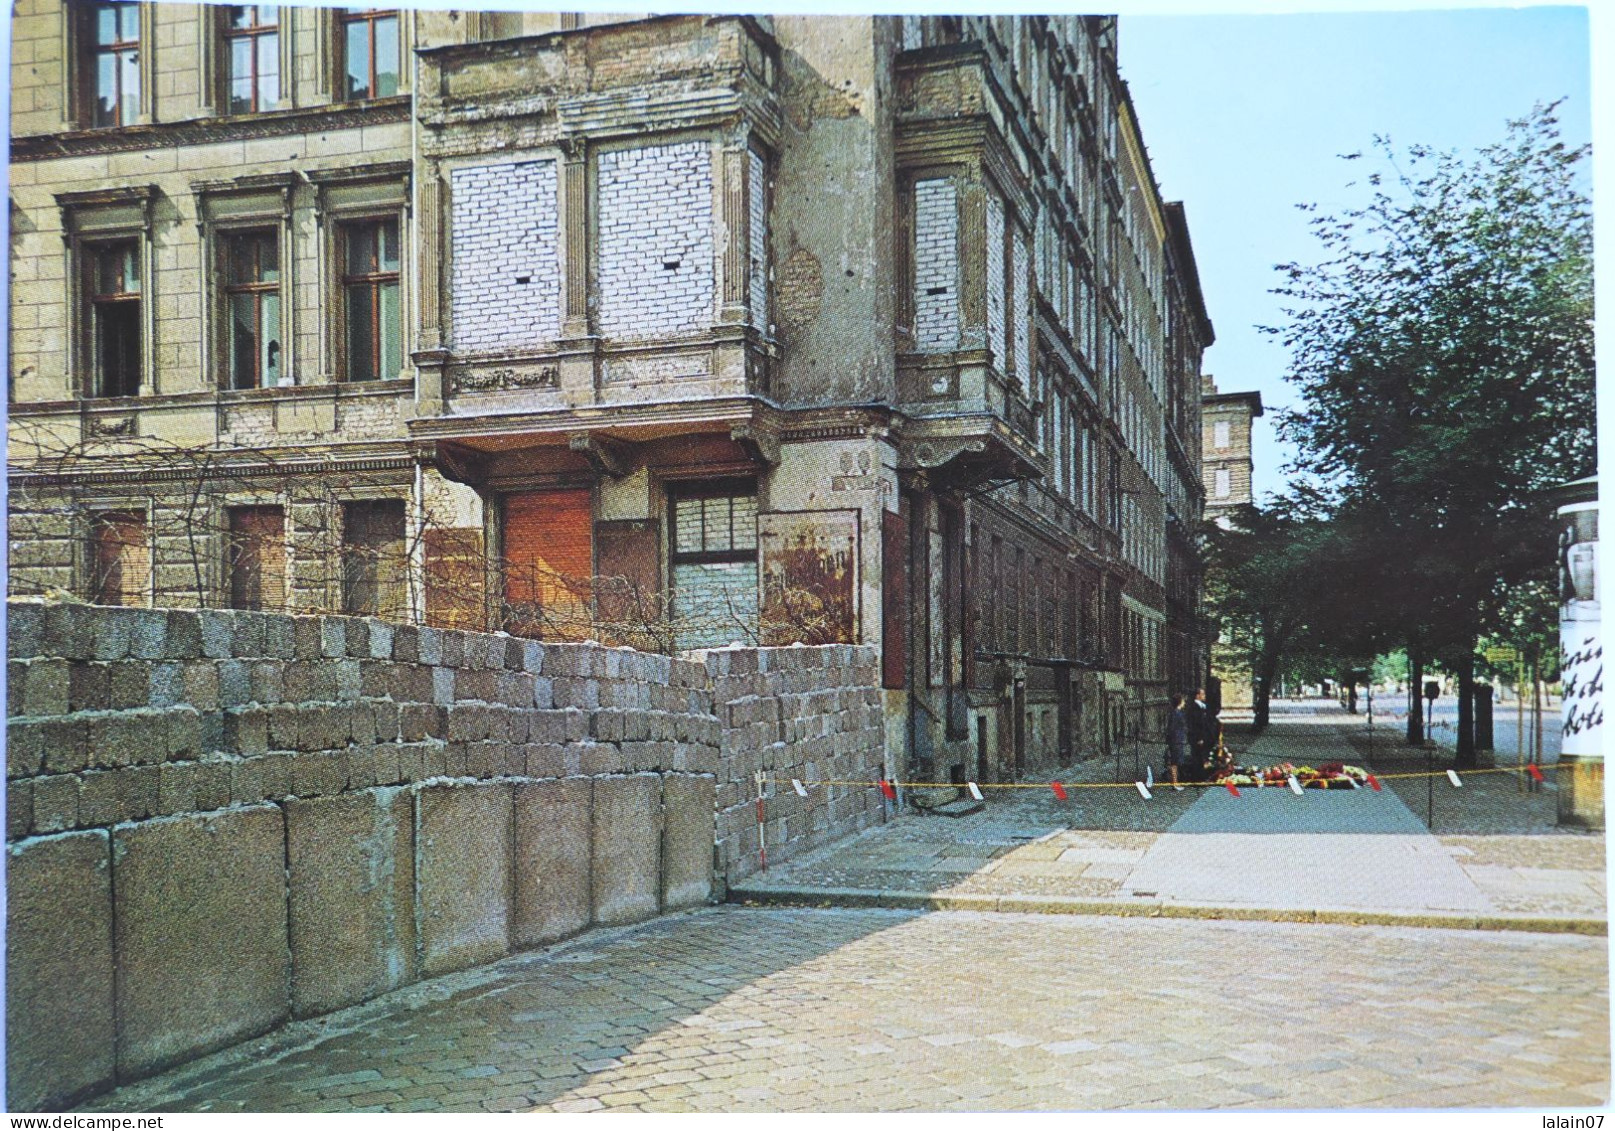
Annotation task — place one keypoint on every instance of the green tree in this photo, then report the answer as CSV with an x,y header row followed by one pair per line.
x,y
1443,349
1280,588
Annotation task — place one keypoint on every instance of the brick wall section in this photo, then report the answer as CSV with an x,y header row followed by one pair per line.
x,y
936,266
348,805
507,268
995,281
813,714
1023,306
757,239
655,208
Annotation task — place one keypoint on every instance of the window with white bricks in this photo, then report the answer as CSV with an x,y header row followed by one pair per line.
x,y
506,288
995,281
936,266
655,257
757,233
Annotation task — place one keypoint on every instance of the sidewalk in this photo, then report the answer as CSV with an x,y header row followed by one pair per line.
x,y
1496,858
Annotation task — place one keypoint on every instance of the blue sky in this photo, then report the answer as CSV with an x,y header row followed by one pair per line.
x,y
1244,116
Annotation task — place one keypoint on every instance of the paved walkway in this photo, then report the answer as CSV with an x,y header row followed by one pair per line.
x,y
1500,860
762,1010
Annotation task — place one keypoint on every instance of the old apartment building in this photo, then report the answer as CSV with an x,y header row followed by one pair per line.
x,y
1227,465
665,331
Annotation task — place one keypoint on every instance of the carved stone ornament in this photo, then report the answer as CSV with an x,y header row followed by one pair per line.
x,y
110,425
498,380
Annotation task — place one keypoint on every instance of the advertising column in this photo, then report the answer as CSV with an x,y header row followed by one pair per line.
x,y
1581,659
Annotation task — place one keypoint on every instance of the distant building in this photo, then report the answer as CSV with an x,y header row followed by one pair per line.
x,y
1226,465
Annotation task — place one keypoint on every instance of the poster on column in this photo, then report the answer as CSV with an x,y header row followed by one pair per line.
x,y
1580,635
810,577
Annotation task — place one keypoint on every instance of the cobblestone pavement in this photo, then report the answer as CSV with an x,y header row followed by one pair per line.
x,y
740,1009
1500,845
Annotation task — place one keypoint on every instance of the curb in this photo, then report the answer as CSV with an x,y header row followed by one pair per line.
x,y
783,895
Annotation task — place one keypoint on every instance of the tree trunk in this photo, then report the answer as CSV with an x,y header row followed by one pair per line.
x,y
1351,697
1466,710
1262,691
1415,697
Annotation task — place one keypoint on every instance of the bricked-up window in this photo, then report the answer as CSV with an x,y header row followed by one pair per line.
x,y
252,309
370,299
505,233
113,289
111,63
936,266
1223,483
374,559
119,559
252,57
713,554
255,558
1220,434
655,253
370,55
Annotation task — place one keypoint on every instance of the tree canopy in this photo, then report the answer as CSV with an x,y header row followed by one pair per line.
x,y
1443,348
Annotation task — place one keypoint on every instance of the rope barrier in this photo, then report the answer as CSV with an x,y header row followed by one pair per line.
x,y
888,785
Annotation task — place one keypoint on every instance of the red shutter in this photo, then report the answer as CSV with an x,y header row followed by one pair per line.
x,y
549,564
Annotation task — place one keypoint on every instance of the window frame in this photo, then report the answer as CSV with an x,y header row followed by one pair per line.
x,y
228,35
224,247
374,281
730,488
84,49
346,18
95,300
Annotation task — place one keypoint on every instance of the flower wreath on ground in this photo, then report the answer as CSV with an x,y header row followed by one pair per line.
x,y
1330,775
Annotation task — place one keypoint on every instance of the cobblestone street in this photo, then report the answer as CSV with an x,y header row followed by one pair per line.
x,y
739,1009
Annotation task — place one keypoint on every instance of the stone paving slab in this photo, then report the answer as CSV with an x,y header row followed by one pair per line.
x,y
744,1010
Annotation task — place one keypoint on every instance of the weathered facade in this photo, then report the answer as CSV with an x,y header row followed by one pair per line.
x,y
1228,465
668,331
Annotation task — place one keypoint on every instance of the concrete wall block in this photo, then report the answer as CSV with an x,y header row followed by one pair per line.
x,y
200,922
318,774
216,627
60,1034
429,646
25,629
626,849
463,845
687,839
351,862
552,892
56,803
249,638
406,644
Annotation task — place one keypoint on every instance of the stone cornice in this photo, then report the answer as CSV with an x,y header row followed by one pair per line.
x,y
210,131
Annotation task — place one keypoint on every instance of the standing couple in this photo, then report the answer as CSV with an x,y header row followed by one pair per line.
x,y
1190,732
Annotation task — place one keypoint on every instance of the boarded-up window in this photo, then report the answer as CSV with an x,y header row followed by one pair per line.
x,y
894,600
255,558
810,578
454,566
119,559
714,560
374,559
549,564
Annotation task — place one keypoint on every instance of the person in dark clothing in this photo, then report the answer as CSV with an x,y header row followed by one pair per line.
x,y
1177,740
1202,731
